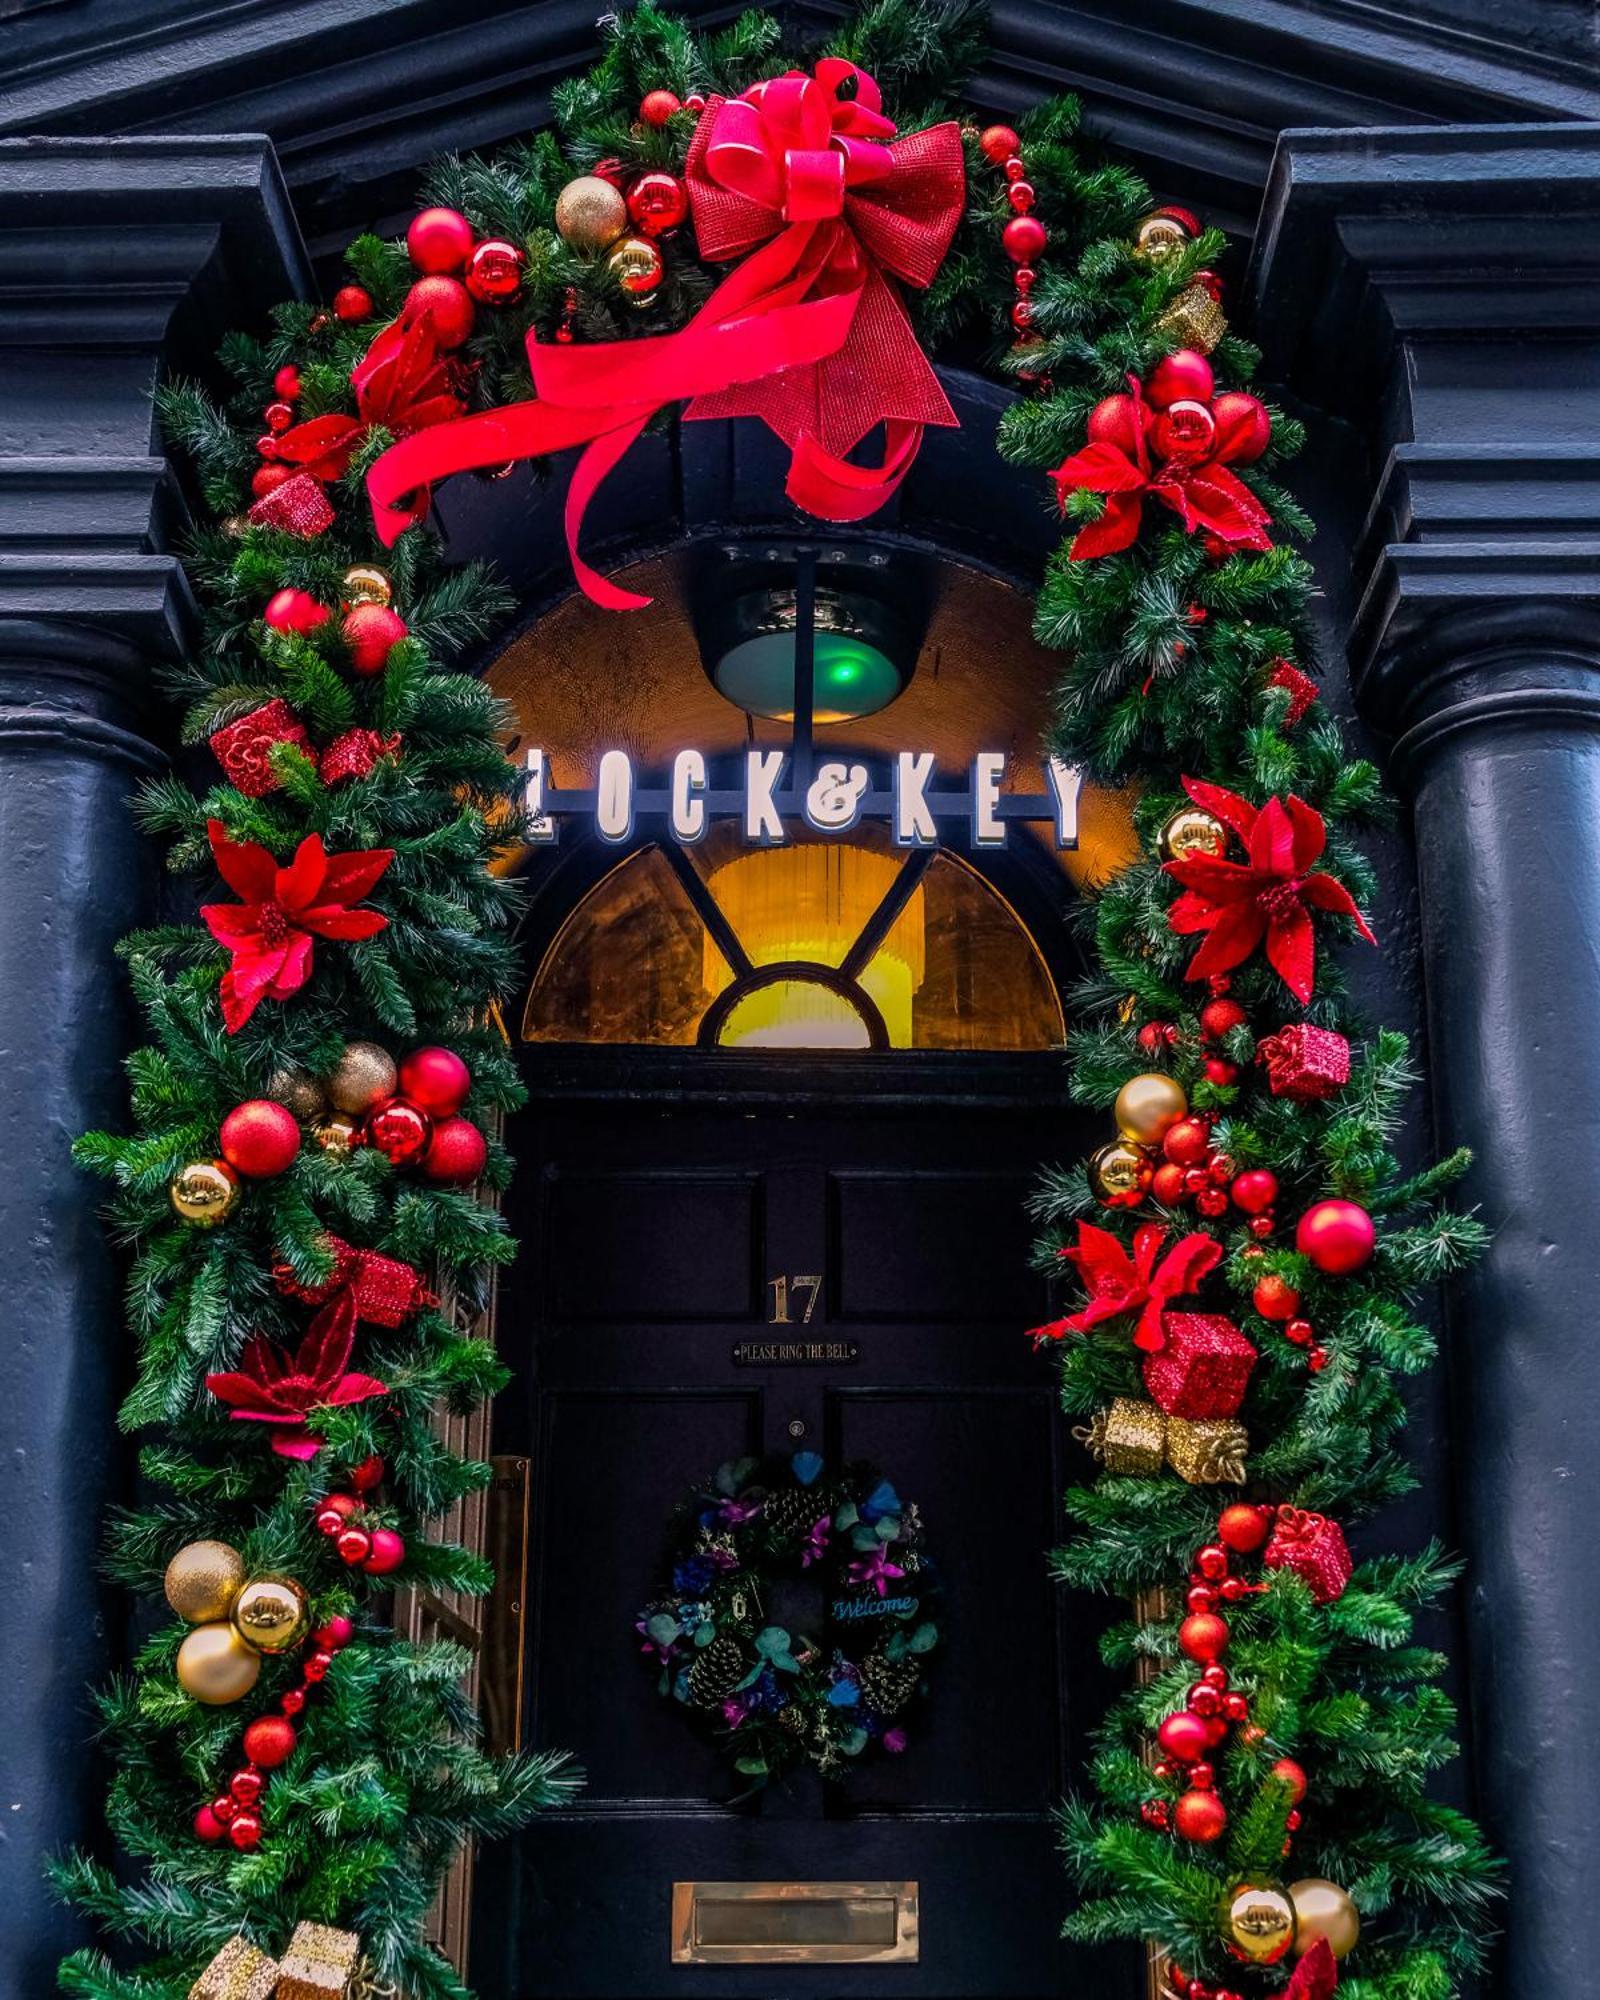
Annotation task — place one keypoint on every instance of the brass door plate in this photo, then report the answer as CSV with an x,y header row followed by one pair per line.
x,y
794,1923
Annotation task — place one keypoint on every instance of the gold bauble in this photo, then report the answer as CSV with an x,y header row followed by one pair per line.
x,y
1261,1921
367,584
202,1581
1147,1105
590,213
638,267
365,1076
338,1134
1159,237
1324,1910
297,1090
1192,831
271,1613
1115,1172
216,1666
204,1192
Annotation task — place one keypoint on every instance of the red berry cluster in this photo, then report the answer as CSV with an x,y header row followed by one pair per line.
x,y
375,1550
1024,237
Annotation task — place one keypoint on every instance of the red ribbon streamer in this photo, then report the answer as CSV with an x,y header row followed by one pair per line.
x,y
806,333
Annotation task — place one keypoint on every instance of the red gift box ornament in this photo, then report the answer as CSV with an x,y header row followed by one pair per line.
x,y
243,748
1204,1369
802,179
386,1291
355,753
299,507
1305,1062
1314,1548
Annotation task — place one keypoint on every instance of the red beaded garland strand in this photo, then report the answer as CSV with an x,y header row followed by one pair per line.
x,y
1023,236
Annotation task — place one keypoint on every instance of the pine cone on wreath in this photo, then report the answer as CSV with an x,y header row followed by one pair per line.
x,y
716,1671
888,1684
792,1512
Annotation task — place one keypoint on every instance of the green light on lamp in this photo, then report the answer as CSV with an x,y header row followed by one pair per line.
x,y
851,677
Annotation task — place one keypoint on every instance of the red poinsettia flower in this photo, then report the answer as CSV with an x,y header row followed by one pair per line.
x,y
1316,1977
1270,897
269,933
269,1389
1118,1283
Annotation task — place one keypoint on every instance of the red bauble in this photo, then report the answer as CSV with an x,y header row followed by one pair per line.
x,y
223,1810
352,303
1156,1813
1178,378
279,416
246,1787
1183,1736
436,1081
1203,1636
1244,429
1219,1017
1185,429
448,305
1203,1700
208,1827
287,382
1200,1816
1338,1237
316,1665
1275,1298
333,1636
1211,1202
1154,1036
659,105
269,1741
295,611
399,1131
458,1154
388,1552
245,1832
1220,1070
1187,1142
1255,1191
439,239
354,1545
1211,1562
1289,1773
293,1701
494,272
370,630
1243,1528
1112,422
260,1138
335,1511
369,1472
657,202
998,143
268,478
1024,239
1166,1184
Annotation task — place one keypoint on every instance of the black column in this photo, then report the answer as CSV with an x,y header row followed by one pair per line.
x,y
120,261
1439,291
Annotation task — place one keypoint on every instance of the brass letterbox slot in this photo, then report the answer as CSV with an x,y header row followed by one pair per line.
x,y
794,1923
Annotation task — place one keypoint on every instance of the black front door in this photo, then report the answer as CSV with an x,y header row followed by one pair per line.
x,y
657,1237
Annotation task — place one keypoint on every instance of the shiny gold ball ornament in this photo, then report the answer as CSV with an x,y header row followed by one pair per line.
x,y
1147,1105
367,584
590,213
216,1666
1159,237
1261,1921
638,267
364,1077
1192,832
1324,1910
271,1613
1116,1174
202,1581
204,1192
297,1090
337,1133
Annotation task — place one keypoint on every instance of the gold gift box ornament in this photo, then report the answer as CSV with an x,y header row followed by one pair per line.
x,y
1137,1439
321,1963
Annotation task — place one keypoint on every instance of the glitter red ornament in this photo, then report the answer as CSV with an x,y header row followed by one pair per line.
x,y
657,202
295,611
355,754
1289,1774
1204,1369
448,306
370,631
287,382
269,1741
436,1080
1200,1816
1302,690
399,1131
1306,1063
260,1138
267,479
657,106
1187,1142
1275,1298
999,143
494,272
1243,1528
1220,1017
386,1554
458,1154
439,240
295,504
1203,1636
1339,1237
243,748
1314,1548
352,303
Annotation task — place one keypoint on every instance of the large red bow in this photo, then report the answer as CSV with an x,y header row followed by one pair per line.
x,y
269,1389
1118,1283
1198,487
807,332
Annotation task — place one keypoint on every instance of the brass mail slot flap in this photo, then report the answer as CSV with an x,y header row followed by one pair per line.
x,y
794,1923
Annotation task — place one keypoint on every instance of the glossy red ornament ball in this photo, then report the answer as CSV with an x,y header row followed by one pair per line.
x,y
1183,1736
1203,1636
246,1786
1156,1813
279,417
260,1138
293,1701
1220,1017
269,1741
435,1080
287,382
658,106
354,1545
1204,1700
1184,430
335,1510
224,1810
1243,1528
316,1665
1255,1190
494,272
448,305
1187,1142
370,630
458,1154
1211,1202
1244,429
1200,1816
1215,1676
440,239
388,1552
1020,194
367,1474
268,478
1200,1597
1156,1035
1338,1236
998,143
1023,239
1182,377
1299,1331
295,611
334,1635
1212,1562
1166,1184
208,1827
1289,1773
245,1832
399,1131
1275,1298
657,202
1220,1070
352,303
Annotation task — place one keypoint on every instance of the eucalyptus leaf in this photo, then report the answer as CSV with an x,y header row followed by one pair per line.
x,y
752,1767
925,1638
704,1633
889,1528
846,1515
864,1538
664,1629
853,1742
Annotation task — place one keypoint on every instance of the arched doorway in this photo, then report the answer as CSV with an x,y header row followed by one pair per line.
x,y
786,1104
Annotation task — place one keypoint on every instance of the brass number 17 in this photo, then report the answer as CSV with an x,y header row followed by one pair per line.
x,y
782,1289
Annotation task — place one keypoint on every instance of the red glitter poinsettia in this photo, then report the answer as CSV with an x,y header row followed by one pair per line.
x,y
268,1389
270,932
1268,898
1118,1283
1316,1977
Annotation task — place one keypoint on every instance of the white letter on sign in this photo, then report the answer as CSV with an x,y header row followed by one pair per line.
x,y
761,821
833,801
541,827
688,810
913,823
988,768
613,807
1066,781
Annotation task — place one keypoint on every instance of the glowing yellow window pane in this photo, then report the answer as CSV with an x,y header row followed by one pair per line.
x,y
793,1014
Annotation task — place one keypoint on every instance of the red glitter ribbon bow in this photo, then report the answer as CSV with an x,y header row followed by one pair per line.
x,y
1199,489
1118,1283
1270,897
807,332
267,1389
